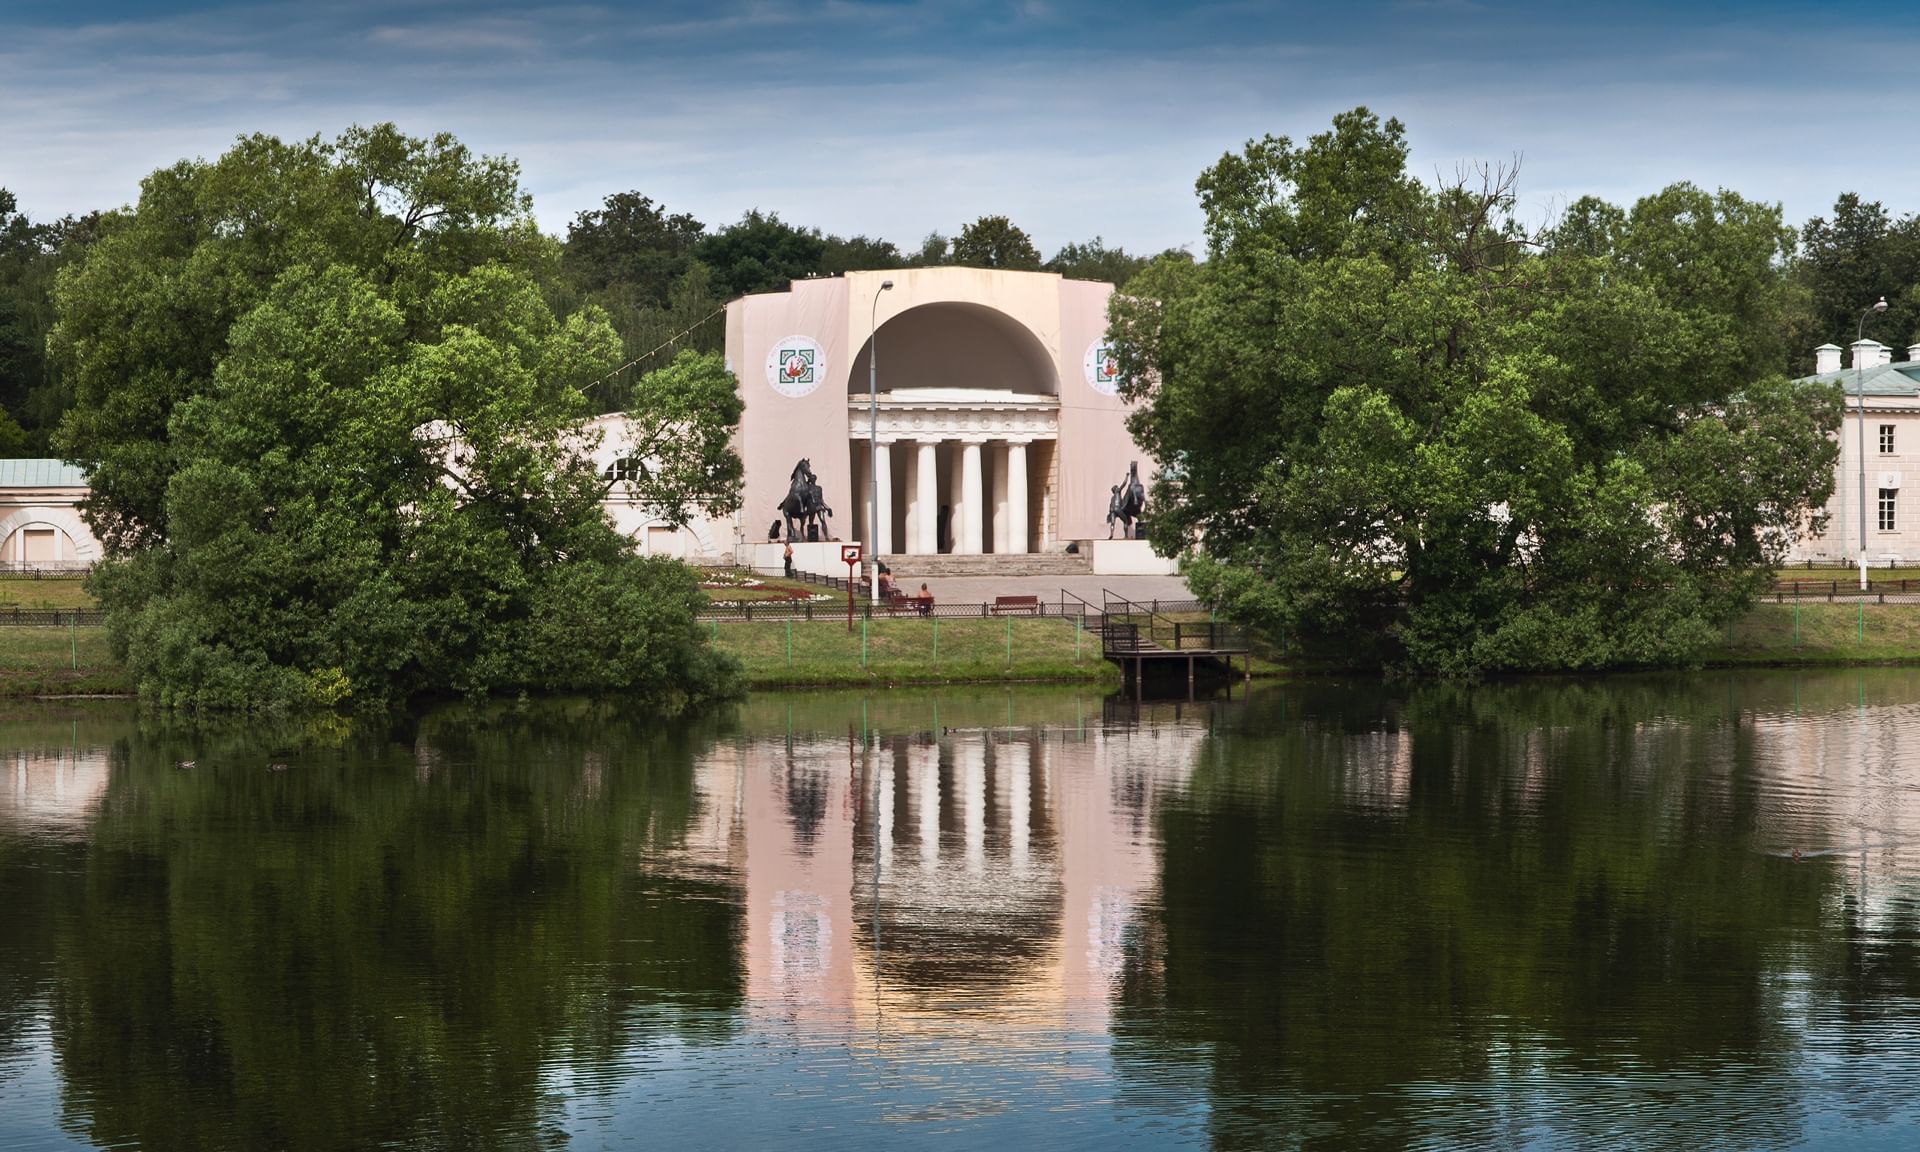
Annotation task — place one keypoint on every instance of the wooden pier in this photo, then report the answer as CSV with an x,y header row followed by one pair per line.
x,y
1134,636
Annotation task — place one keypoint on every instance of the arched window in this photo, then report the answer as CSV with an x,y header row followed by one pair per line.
x,y
625,468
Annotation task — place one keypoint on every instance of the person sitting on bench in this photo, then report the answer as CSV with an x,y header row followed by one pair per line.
x,y
925,600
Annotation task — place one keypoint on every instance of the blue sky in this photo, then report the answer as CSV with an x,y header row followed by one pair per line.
x,y
894,117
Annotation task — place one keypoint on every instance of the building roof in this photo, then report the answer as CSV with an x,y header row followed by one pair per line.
x,y
40,474
1902,379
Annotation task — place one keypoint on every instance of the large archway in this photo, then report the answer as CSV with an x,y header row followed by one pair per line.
x,y
966,426
956,345
46,536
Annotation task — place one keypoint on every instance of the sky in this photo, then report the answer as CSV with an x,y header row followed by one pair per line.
x,y
895,118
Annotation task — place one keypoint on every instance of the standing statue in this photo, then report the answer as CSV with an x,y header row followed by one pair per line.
x,y
1128,501
805,508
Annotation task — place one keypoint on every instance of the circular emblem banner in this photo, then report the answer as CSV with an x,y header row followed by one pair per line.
x,y
796,366
1102,368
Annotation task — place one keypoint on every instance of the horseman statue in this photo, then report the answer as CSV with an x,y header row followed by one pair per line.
x,y
1128,502
805,507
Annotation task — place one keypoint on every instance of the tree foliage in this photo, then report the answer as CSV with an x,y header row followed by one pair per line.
x,y
995,242
334,432
633,242
1846,263
32,396
1093,260
1402,423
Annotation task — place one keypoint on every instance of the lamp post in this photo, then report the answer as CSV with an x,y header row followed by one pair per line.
x,y
873,437
1860,410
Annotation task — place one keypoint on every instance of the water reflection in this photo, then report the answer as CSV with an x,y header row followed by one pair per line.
x,y
1633,912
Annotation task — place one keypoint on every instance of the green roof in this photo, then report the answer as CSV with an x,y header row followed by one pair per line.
x,y
40,474
1902,379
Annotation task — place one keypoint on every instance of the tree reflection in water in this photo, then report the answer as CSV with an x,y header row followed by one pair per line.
x,y
385,943
1333,916
1486,915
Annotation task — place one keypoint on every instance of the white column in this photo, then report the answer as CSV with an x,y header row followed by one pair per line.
x,y
972,503
883,529
1000,498
1016,498
910,487
926,479
956,497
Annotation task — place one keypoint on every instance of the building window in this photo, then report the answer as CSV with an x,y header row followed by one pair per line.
x,y
627,468
1886,508
1886,439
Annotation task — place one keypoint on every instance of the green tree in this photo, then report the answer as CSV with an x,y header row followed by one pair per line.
x,y
934,251
632,242
31,255
995,242
334,432
1845,263
1093,260
1404,425
859,254
761,253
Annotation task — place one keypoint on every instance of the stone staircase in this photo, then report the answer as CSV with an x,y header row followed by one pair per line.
x,y
990,564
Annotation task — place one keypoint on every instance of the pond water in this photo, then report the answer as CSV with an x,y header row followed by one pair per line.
x,y
1672,912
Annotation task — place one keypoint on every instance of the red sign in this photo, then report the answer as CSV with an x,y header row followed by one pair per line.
x,y
849,553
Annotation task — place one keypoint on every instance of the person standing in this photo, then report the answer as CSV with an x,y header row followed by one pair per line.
x,y
786,558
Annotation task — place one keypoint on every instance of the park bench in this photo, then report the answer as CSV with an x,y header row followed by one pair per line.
x,y
1006,604
907,604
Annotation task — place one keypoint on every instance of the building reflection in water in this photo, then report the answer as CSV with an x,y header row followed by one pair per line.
x,y
931,879
52,788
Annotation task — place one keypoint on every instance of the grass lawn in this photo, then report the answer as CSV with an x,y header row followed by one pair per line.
x,y
1821,633
903,651
58,661
19,593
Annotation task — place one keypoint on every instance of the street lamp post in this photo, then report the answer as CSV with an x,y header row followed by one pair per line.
x,y
1860,410
873,438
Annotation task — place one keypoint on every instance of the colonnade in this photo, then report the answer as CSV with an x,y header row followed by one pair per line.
x,y
982,513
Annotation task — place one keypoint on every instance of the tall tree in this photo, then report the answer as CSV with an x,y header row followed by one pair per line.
x,y
995,242
761,253
629,240
1093,260
1401,423
334,433
32,395
1846,263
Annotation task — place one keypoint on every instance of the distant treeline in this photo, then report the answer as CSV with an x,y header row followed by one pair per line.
x,y
660,274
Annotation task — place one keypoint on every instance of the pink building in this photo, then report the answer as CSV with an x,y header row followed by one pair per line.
x,y
998,425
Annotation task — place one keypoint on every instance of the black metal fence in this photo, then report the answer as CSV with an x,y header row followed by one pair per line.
x,y
38,572
49,617
1830,590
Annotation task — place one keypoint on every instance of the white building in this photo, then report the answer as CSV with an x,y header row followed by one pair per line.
x,y
40,524
1883,409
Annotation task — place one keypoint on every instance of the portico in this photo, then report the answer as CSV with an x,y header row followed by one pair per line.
x,y
957,469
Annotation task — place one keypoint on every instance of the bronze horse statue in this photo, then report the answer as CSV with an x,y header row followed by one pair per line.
x,y
805,508
1128,502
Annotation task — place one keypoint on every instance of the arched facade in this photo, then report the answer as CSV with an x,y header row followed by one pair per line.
x,y
996,428
40,523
